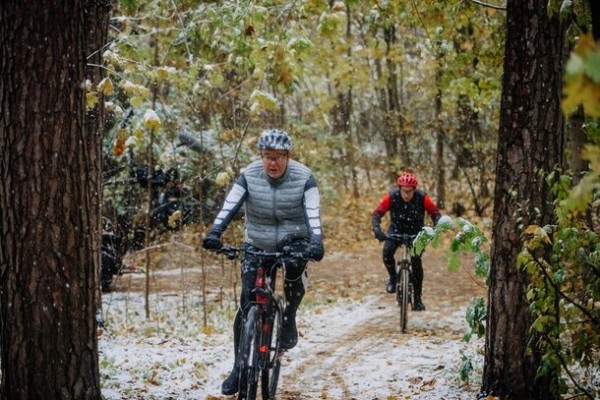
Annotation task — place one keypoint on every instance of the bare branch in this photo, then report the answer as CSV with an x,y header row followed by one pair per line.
x,y
481,3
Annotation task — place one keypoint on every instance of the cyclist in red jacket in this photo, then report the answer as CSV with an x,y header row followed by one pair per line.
x,y
407,207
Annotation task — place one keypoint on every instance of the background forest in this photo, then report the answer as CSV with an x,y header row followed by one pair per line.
x,y
365,89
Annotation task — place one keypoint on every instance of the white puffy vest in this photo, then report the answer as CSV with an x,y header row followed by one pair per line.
x,y
275,207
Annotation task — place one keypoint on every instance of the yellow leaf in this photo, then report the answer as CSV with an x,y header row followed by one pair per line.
x,y
139,134
229,135
91,99
262,101
592,154
133,89
151,120
174,219
571,89
163,73
123,134
223,179
339,6
106,87
137,101
585,45
466,45
531,229
580,90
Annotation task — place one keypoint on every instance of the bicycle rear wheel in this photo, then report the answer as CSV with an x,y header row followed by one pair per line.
x,y
270,373
249,355
403,295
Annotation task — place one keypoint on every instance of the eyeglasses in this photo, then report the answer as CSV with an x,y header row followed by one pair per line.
x,y
276,159
407,191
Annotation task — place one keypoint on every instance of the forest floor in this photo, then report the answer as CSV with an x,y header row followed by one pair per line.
x,y
350,346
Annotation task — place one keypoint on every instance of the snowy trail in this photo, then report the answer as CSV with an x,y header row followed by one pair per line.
x,y
361,354
350,343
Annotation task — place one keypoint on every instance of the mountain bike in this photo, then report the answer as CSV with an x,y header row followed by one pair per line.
x,y
404,287
259,353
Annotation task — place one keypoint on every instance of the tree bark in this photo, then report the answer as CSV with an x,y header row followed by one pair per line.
x,y
48,205
530,145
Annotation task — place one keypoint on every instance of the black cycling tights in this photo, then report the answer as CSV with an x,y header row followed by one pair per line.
x,y
389,249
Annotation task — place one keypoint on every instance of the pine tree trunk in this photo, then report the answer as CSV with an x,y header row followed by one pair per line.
x,y
530,145
48,205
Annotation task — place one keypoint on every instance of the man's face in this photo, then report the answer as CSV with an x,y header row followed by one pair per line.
x,y
275,162
407,193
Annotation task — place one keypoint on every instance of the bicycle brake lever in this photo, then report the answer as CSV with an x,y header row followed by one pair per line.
x,y
228,252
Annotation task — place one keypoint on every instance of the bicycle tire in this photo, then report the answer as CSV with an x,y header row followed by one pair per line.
x,y
403,295
249,356
270,372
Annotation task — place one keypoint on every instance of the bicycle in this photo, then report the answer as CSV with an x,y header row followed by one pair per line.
x,y
259,349
404,286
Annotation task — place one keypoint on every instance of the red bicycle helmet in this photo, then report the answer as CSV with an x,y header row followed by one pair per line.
x,y
407,180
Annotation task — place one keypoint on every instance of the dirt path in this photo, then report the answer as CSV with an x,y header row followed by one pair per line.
x,y
363,355
350,345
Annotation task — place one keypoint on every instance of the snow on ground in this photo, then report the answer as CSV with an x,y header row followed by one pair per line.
x,y
362,355
348,349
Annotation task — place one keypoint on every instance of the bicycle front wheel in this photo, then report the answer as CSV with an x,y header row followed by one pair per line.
x,y
249,355
270,373
403,296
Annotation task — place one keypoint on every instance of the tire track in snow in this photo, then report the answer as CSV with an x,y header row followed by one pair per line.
x,y
361,354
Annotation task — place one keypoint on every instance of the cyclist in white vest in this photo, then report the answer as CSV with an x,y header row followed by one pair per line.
x,y
282,208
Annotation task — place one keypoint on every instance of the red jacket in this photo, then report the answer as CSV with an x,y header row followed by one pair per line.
x,y
405,217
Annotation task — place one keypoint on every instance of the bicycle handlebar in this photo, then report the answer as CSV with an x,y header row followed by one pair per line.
x,y
402,237
232,252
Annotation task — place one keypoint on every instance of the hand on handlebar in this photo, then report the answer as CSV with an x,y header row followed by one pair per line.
x,y
380,235
212,241
404,238
314,251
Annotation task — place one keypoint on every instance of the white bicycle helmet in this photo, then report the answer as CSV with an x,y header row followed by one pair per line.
x,y
274,139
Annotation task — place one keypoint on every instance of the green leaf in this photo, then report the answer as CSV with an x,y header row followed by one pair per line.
x,y
454,263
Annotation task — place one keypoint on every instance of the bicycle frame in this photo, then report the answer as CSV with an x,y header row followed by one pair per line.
x,y
259,348
265,300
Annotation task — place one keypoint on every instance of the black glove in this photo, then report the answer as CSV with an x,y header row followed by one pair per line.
x,y
379,234
314,251
212,241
